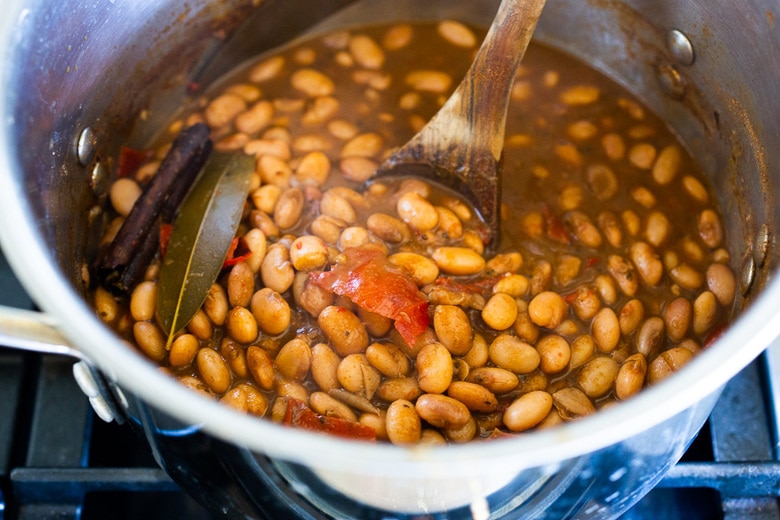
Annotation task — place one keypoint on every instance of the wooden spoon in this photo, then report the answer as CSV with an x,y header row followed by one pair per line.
x,y
460,147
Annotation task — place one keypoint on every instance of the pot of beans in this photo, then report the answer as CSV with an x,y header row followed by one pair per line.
x,y
189,195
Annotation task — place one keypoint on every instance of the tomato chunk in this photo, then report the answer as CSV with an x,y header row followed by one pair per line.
x,y
238,252
299,415
366,277
130,160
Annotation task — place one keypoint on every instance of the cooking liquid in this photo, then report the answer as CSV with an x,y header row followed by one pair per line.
x,y
566,125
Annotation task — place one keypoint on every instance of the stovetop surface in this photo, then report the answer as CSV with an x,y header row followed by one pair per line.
x,y
58,461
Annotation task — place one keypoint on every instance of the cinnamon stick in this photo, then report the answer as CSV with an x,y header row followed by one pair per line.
x,y
124,262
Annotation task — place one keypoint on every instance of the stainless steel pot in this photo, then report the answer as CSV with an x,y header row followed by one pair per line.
x,y
76,75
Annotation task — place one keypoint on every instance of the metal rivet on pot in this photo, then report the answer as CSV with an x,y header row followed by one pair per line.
x,y
98,181
762,246
85,147
671,81
680,47
747,274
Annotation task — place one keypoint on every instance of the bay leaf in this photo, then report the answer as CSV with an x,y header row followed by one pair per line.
x,y
202,233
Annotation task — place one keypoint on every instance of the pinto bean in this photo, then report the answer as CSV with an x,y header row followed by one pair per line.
x,y
477,356
582,349
338,207
652,335
356,375
376,325
324,367
433,81
241,325
417,212
554,352
720,280
476,397
459,261
367,145
143,301
123,194
667,363
366,51
647,263
213,370
256,241
235,398
631,376
388,228
527,411
686,276
605,329
276,270
677,318
434,368
657,228
695,189
597,376
579,95
547,309
423,270
150,339
510,353
183,350
200,325
667,164
705,310
631,315
235,357
453,328
260,366
240,285
294,359
457,34
495,379
710,229
623,273
442,411
402,423
461,434
106,305
397,37
572,403
344,330
582,228
399,388
388,359
312,83
500,312
525,328
308,252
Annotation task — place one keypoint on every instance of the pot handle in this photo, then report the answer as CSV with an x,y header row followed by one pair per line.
x,y
34,331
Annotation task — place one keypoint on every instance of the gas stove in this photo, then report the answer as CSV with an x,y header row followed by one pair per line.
x,y
59,461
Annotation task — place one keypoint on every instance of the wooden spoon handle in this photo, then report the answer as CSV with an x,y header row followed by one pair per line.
x,y
472,120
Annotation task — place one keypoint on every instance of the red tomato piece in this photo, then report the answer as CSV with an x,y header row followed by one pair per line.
x,y
165,235
238,252
368,279
129,161
301,416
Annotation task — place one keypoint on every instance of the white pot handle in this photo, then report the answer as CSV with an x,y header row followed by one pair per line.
x,y
34,331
